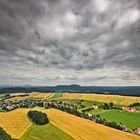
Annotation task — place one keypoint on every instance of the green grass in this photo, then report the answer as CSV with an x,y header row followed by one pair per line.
x,y
37,108
138,108
70,101
96,111
90,103
55,96
1,95
130,119
45,132
84,102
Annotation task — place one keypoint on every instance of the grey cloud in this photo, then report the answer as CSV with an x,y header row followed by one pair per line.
x,y
70,35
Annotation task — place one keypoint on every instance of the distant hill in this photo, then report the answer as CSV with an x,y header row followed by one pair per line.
x,y
119,90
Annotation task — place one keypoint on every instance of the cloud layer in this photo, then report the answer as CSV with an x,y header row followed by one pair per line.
x,y
50,42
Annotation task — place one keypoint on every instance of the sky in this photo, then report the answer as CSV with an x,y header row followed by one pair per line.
x,y
54,42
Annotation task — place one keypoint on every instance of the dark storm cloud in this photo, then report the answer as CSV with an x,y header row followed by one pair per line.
x,y
93,36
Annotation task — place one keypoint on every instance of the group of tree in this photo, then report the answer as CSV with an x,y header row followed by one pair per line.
x,y
113,124
134,104
4,135
107,106
87,109
38,117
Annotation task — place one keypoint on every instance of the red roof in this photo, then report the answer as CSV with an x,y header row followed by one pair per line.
x,y
138,129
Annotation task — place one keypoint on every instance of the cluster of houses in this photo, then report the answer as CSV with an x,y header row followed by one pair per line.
x,y
8,105
137,131
130,109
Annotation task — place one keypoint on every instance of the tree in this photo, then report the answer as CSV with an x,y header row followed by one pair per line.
x,y
110,105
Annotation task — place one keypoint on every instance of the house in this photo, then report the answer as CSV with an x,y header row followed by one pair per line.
x,y
95,106
130,109
137,131
89,115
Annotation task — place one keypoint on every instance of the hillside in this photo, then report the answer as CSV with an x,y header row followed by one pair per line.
x,y
82,129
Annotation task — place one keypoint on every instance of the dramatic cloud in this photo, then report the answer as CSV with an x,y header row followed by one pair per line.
x,y
50,42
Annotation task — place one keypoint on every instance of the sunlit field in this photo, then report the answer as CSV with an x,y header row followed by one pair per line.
x,y
82,129
15,122
116,99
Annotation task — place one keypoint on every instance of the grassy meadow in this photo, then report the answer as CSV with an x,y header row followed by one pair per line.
x,y
45,132
130,119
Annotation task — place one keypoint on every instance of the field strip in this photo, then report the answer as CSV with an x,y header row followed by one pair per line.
x,y
17,97
15,122
51,95
42,95
116,99
82,129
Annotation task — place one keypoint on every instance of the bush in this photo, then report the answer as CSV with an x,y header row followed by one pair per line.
x,y
134,104
38,117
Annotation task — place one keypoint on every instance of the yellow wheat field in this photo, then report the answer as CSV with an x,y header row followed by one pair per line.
x,y
18,97
82,129
30,95
116,99
42,95
15,122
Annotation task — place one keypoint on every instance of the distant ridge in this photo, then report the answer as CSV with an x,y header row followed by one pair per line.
x,y
119,90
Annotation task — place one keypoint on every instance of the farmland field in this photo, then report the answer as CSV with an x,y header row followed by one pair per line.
x,y
30,95
17,97
55,96
42,95
15,122
116,99
64,126
82,129
130,119
96,111
45,132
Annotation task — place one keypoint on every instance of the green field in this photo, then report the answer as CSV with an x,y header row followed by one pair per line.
x,y
45,132
130,119
96,111
84,102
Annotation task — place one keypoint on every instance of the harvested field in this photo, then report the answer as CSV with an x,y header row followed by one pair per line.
x,y
20,97
116,99
42,95
15,122
17,94
82,129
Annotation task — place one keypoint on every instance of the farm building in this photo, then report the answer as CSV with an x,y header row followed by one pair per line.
x,y
130,109
137,131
